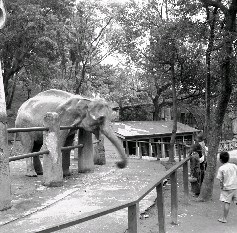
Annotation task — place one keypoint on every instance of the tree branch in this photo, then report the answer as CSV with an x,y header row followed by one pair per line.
x,y
217,4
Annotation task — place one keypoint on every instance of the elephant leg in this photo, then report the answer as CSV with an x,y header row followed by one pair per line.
x,y
27,145
36,160
30,170
66,155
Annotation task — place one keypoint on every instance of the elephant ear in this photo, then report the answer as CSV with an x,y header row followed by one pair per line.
x,y
98,110
72,111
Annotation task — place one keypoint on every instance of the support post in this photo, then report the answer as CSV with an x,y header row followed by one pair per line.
x,y
133,218
99,151
76,143
85,153
137,149
158,146
140,149
179,151
185,182
150,147
161,208
162,148
174,198
52,162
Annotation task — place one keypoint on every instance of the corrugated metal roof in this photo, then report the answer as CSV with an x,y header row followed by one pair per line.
x,y
129,129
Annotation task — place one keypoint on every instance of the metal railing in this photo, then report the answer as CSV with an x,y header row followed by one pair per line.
x,y
34,154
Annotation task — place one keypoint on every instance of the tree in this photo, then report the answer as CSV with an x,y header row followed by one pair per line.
x,y
89,27
226,64
5,193
142,30
27,41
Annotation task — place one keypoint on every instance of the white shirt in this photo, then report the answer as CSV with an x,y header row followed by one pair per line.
x,y
227,173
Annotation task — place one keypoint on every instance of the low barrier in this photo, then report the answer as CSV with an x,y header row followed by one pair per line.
x,y
51,135
227,145
133,205
52,165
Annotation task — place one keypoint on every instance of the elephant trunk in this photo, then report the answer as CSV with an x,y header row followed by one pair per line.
x,y
108,132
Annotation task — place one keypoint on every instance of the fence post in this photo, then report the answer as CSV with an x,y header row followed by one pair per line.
x,y
85,153
185,178
185,182
133,218
174,197
161,208
52,162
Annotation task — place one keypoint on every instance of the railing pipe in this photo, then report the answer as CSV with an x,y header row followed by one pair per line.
x,y
16,130
18,157
24,156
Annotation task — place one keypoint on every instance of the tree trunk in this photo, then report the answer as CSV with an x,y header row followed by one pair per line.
x,y
156,114
79,83
11,94
174,130
212,21
224,97
5,191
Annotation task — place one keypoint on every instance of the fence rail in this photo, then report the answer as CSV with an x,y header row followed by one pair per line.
x,y
15,130
227,145
34,154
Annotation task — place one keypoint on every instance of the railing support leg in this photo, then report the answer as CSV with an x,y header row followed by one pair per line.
x,y
133,218
85,153
174,198
52,162
160,207
185,182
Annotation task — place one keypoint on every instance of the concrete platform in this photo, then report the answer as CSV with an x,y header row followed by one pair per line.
x,y
113,187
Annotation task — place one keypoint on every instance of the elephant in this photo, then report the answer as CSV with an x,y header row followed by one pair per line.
x,y
74,110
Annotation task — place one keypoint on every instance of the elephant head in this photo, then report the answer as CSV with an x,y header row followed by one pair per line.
x,y
97,119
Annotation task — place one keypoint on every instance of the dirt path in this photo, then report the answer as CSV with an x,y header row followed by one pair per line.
x,y
197,217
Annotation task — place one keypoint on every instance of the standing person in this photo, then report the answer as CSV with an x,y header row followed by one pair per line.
x,y
203,159
195,171
227,174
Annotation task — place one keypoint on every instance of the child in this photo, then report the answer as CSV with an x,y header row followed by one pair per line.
x,y
227,174
195,169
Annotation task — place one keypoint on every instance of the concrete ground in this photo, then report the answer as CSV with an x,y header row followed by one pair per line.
x,y
103,188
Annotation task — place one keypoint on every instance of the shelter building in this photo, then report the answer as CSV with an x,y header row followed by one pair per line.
x,y
151,138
